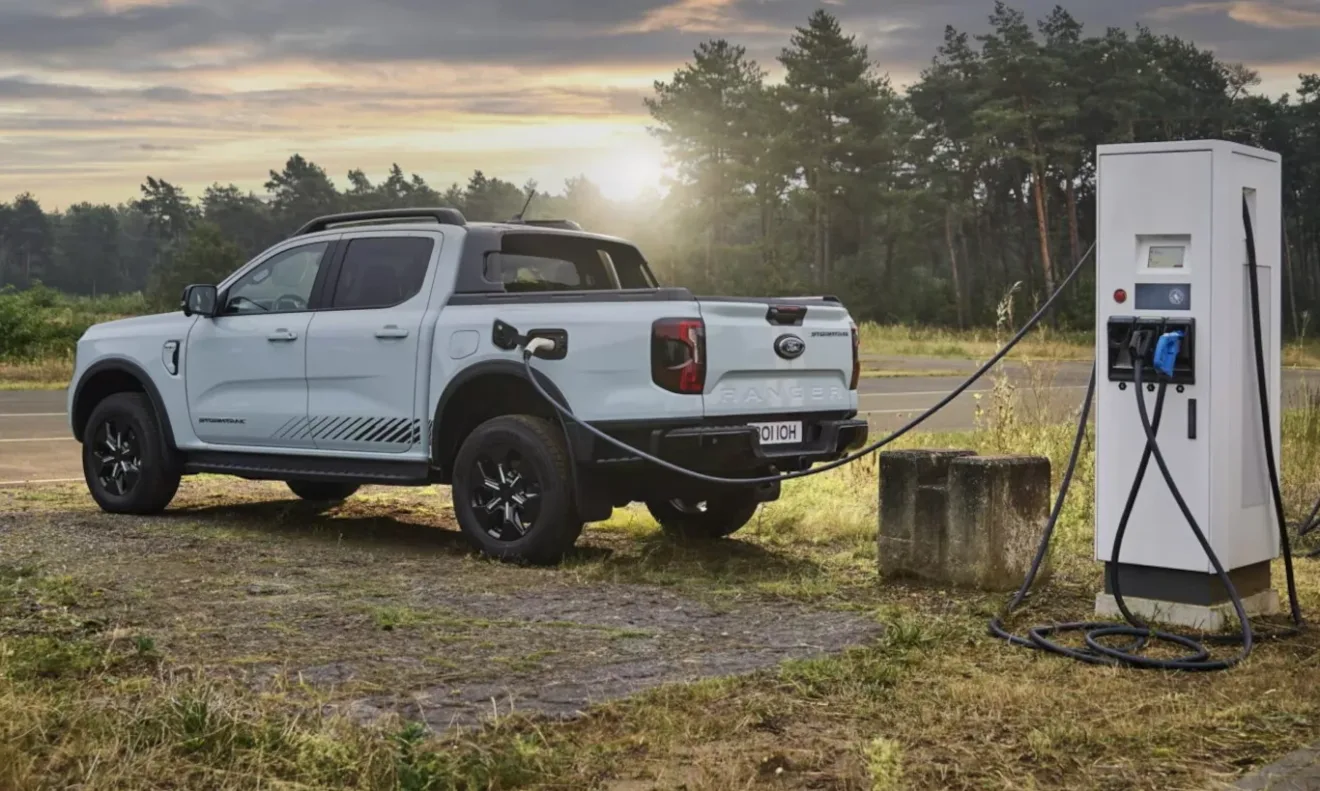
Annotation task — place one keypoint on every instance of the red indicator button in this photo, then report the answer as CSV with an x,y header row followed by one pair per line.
x,y
1120,296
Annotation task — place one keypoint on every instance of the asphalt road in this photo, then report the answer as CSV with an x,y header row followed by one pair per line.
x,y
35,444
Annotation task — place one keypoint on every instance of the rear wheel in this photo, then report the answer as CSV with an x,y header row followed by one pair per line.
x,y
512,490
705,519
126,464
323,491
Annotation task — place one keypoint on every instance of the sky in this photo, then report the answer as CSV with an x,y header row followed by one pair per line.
x,y
97,94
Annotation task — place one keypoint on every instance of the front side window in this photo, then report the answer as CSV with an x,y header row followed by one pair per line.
x,y
382,273
281,284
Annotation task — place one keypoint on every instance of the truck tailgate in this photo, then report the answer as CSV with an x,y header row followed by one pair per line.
x,y
776,356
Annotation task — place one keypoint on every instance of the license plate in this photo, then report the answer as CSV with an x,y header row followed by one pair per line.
x,y
782,433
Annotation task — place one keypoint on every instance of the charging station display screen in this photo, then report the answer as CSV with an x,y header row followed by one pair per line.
x,y
1166,257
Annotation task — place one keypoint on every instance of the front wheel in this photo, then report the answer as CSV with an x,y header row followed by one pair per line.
x,y
705,519
512,490
127,466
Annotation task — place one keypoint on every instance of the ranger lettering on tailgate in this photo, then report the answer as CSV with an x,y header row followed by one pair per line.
x,y
781,394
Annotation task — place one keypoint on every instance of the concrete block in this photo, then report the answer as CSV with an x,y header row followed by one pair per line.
x,y
997,511
913,506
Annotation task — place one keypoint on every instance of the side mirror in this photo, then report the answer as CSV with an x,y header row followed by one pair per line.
x,y
199,300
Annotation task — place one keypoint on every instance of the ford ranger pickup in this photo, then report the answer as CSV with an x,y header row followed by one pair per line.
x,y
366,349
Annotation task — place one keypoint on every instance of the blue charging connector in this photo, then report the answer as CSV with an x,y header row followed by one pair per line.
x,y
1166,352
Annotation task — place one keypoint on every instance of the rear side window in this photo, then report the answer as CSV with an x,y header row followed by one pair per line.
x,y
549,262
381,273
538,273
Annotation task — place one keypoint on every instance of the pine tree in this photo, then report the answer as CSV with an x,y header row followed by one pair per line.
x,y
837,116
703,119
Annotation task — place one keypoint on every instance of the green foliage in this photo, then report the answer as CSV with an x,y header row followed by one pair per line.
x,y
42,323
207,257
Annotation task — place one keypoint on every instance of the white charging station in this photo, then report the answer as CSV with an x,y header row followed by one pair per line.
x,y
1171,247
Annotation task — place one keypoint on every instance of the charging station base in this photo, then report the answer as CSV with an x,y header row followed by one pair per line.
x,y
1187,598
1202,617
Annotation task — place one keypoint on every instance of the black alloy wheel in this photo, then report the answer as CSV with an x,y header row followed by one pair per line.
x,y
119,453
128,466
505,493
513,490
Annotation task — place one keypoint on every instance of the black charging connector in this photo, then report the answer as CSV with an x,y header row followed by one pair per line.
x,y
1141,344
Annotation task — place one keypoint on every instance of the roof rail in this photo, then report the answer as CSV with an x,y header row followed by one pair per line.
x,y
440,215
567,225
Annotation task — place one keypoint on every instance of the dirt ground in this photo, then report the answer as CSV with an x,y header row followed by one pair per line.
x,y
378,605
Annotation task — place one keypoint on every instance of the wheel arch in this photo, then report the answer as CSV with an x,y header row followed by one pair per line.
x,y
480,392
116,375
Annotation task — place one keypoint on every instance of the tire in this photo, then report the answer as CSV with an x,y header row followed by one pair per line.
x,y
323,491
127,466
706,520
513,490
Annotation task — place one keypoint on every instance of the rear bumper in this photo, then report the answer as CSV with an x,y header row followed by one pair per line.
x,y
724,444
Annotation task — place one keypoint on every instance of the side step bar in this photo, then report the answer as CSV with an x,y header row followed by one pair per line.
x,y
271,467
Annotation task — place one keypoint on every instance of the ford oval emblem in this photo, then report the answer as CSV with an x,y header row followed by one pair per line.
x,y
790,347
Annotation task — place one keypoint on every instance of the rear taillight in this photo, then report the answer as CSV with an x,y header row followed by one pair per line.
x,y
678,355
857,357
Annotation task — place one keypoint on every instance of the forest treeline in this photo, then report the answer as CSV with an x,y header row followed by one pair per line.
x,y
925,205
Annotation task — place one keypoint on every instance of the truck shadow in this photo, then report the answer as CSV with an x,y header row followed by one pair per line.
x,y
603,553
299,518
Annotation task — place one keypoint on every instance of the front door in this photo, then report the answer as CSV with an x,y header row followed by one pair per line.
x,y
247,366
363,346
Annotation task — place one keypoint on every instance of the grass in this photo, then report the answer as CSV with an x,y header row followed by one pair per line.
x,y
104,688
52,373
972,344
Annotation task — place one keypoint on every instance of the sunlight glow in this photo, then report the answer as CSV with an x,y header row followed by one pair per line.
x,y
629,172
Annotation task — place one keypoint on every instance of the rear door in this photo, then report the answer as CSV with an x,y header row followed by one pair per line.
x,y
772,360
364,346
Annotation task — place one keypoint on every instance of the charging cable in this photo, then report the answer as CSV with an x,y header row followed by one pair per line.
x,y
537,344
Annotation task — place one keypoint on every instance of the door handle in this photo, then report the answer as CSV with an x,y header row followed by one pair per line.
x,y
391,331
282,335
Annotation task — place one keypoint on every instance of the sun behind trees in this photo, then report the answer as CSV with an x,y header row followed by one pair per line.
x,y
922,205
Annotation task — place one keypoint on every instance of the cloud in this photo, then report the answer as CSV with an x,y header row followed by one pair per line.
x,y
146,36
18,88
1260,33
510,31
219,88
24,88
1272,16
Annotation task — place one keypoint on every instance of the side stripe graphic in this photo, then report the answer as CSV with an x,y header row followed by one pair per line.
x,y
390,431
